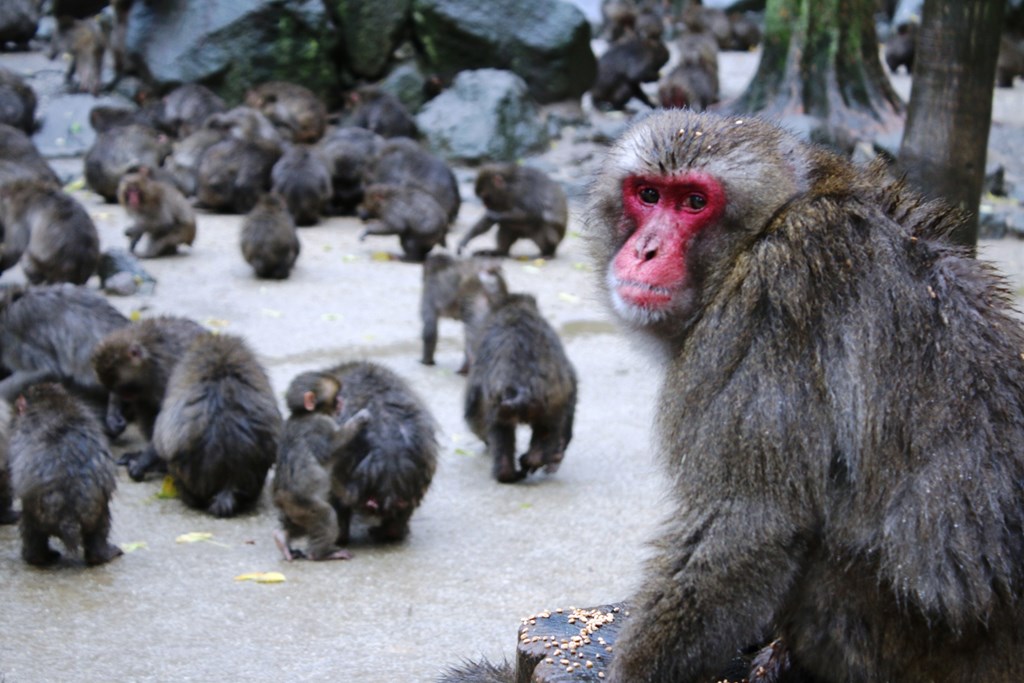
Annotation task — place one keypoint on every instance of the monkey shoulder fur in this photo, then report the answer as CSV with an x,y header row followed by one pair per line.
x,y
841,412
384,472
310,443
520,375
62,471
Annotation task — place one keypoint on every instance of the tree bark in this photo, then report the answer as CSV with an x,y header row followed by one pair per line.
x,y
946,137
820,70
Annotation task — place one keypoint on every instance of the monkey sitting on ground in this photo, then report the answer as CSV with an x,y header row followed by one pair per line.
x,y
693,82
407,211
233,173
119,151
295,110
269,241
48,333
404,162
841,413
311,439
525,203
134,363
187,107
520,375
20,160
160,213
452,289
17,101
377,110
384,472
348,152
48,232
219,425
64,476
302,178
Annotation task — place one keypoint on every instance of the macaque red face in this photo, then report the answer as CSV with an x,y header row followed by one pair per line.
x,y
648,277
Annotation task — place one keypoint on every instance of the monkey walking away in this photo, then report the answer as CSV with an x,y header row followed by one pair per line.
x,y
311,440
520,375
64,476
841,412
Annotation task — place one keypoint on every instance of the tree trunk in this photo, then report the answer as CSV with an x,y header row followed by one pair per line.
x,y
946,138
820,72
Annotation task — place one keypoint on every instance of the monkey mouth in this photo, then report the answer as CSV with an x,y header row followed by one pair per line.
x,y
643,294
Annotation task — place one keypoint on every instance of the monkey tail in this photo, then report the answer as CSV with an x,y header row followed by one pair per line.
x,y
70,534
513,400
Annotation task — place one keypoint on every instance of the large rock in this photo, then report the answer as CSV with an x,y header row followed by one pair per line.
x,y
370,32
486,115
231,46
546,42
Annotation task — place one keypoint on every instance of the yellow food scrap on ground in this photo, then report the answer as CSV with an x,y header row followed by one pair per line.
x,y
135,316
568,298
194,537
272,313
167,489
381,256
134,545
217,322
262,577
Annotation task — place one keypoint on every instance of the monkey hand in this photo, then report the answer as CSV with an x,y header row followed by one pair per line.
x,y
362,418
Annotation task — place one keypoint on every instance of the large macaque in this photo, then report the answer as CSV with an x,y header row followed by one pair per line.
x,y
159,212
233,173
134,363
626,65
64,476
310,442
841,412
524,203
348,152
520,375
218,426
452,289
48,232
20,160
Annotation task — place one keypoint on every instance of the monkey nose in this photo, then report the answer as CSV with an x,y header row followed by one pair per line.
x,y
647,248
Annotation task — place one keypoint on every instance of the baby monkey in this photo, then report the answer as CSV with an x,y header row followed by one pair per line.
x,y
302,486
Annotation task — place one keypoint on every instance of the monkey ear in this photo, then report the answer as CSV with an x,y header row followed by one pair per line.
x,y
309,401
21,404
135,351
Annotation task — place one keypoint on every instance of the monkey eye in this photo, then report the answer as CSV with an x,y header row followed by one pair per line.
x,y
696,202
649,195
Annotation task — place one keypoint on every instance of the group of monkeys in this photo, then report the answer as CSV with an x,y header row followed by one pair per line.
x,y
357,439
637,52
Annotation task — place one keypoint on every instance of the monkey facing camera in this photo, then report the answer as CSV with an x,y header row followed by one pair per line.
x,y
841,411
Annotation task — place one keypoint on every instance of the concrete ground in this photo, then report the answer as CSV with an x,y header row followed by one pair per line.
x,y
480,556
